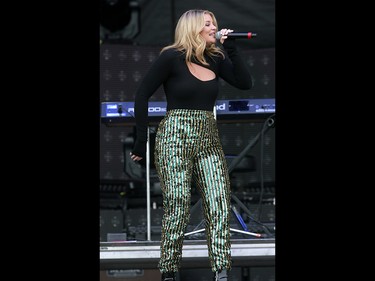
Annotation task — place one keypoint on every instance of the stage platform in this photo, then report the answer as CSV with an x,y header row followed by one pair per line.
x,y
146,254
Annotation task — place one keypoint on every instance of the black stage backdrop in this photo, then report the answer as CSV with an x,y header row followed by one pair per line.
x,y
123,66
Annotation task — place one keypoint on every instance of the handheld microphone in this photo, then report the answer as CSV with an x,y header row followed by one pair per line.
x,y
234,35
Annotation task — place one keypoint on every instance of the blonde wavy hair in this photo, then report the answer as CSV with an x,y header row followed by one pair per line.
x,y
188,38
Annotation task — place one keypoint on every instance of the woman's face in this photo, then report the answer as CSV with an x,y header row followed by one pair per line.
x,y
209,30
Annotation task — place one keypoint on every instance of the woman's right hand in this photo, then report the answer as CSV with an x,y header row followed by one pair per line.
x,y
224,34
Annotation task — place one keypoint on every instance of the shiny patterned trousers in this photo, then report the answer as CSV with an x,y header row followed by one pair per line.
x,y
187,147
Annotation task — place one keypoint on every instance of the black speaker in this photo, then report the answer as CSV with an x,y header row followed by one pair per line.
x,y
206,274
263,273
130,275
111,221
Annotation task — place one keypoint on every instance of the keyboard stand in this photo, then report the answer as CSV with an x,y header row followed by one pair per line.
x,y
269,123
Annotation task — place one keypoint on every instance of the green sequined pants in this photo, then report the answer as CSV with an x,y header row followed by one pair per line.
x,y
187,147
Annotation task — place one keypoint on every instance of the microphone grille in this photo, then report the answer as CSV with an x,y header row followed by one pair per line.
x,y
218,35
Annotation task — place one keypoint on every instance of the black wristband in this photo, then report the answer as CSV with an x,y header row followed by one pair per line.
x,y
139,148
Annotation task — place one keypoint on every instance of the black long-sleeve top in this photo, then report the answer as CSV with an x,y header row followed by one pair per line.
x,y
183,90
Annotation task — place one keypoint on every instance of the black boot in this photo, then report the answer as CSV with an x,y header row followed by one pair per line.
x,y
168,276
220,275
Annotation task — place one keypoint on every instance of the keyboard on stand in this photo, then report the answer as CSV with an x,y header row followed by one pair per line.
x,y
238,110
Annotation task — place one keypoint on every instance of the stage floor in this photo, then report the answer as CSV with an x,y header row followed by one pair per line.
x,y
146,254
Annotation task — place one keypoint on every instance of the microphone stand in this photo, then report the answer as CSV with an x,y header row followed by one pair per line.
x,y
270,123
